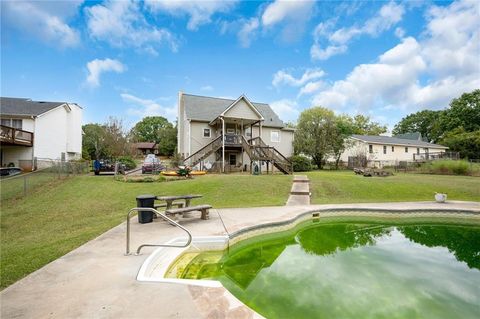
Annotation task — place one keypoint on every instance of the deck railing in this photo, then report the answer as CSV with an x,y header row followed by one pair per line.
x,y
15,136
436,156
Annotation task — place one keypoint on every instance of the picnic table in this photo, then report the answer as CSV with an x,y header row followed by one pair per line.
x,y
179,201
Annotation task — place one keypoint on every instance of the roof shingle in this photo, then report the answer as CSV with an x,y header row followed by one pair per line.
x,y
25,107
204,108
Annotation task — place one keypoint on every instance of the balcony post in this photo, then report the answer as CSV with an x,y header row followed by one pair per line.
x,y
223,144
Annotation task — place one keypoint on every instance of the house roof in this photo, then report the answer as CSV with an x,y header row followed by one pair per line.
x,y
411,136
206,109
146,145
25,107
395,141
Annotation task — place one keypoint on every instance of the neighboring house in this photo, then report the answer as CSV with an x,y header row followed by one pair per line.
x,y
144,148
385,150
40,130
232,135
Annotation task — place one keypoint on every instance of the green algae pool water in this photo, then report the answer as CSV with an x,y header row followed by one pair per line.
x,y
352,270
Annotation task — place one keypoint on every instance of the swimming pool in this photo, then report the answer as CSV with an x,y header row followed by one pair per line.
x,y
350,268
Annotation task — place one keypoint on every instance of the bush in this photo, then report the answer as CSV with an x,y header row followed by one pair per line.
x,y
128,162
301,163
447,167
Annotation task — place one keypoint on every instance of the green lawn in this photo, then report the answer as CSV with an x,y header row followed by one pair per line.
x,y
346,187
63,215
57,218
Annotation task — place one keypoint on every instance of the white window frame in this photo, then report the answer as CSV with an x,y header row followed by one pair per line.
x,y
209,132
271,136
230,131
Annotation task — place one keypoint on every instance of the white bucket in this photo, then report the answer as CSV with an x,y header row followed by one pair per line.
x,y
440,198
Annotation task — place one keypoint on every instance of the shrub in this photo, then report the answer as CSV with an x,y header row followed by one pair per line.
x,y
128,162
301,163
447,167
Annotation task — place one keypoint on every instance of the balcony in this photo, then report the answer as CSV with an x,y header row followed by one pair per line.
x,y
14,136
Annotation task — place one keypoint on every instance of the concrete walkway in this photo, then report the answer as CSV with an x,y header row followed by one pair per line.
x,y
96,280
300,192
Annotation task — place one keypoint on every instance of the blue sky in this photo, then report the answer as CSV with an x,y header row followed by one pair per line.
x,y
129,59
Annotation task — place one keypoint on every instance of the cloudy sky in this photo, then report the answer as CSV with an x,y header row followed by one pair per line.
x,y
129,59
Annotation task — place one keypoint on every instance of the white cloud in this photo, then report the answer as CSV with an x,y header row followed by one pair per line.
x,y
281,10
97,67
122,24
206,88
399,32
293,15
247,32
145,107
286,109
311,87
448,55
388,15
43,19
200,12
284,77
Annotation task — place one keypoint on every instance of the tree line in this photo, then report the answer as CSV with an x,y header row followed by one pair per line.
x,y
113,140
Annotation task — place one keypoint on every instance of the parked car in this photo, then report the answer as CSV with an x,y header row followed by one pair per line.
x,y
10,171
151,164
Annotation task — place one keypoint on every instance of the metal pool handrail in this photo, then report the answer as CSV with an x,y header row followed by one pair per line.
x,y
171,221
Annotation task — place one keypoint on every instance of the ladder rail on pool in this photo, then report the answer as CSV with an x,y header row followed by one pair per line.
x,y
156,212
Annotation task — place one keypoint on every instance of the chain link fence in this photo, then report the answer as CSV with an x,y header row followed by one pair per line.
x,y
48,171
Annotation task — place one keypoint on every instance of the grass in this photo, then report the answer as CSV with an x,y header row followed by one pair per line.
x,y
449,167
59,217
329,187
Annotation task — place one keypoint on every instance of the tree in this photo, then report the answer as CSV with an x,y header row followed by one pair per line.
x,y
93,141
466,143
105,141
425,122
363,125
463,112
156,129
315,129
344,127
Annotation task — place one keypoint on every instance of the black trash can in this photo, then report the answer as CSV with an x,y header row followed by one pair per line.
x,y
145,201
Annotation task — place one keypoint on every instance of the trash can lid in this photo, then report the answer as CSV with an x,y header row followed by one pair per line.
x,y
146,196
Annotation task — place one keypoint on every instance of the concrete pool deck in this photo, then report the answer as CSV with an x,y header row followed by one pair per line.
x,y
96,280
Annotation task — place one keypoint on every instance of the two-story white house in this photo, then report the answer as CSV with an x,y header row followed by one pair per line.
x,y
40,130
381,151
232,135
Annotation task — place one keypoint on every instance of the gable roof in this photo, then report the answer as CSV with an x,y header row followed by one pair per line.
x,y
145,145
25,107
395,141
243,97
206,109
411,136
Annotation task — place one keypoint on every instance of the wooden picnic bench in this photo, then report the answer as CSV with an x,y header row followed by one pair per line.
x,y
202,208
174,200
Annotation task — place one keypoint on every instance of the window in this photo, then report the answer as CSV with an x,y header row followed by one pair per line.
x,y
406,149
426,150
370,149
230,131
275,136
207,132
248,132
418,150
12,123
393,149
384,149
17,124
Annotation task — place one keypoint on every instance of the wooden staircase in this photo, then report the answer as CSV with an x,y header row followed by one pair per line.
x,y
255,148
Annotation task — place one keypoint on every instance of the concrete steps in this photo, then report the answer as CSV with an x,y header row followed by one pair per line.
x,y
300,191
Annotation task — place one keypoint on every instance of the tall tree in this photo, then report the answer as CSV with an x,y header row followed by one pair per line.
x,y
424,122
315,129
93,141
105,140
363,125
156,129
463,112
